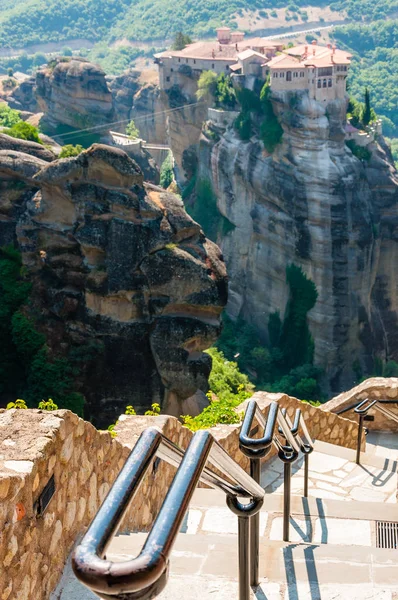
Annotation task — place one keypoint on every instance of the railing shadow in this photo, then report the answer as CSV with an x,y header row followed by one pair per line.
x,y
290,570
377,479
322,520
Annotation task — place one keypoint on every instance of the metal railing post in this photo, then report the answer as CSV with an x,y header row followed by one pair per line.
x,y
255,470
244,557
306,471
287,473
359,442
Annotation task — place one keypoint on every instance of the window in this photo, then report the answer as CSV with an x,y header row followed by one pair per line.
x,y
186,60
302,74
330,83
212,66
194,61
167,78
295,74
325,71
289,76
282,75
324,83
319,83
172,70
312,80
179,60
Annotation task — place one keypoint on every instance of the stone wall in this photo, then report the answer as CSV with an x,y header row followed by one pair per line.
x,y
376,388
35,445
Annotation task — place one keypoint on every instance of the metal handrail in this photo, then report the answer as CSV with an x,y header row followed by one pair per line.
x,y
146,575
256,448
361,409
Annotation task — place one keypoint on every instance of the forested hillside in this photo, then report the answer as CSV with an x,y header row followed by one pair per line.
x,y
32,21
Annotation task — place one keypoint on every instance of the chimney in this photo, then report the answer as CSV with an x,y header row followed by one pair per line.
x,y
329,46
313,42
219,48
213,54
236,46
333,49
313,51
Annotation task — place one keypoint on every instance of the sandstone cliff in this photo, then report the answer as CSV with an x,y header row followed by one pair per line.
x,y
117,263
74,92
314,204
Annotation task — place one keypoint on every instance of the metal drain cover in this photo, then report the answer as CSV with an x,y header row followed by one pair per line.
x,y
386,534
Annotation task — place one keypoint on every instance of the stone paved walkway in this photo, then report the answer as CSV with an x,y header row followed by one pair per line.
x,y
335,478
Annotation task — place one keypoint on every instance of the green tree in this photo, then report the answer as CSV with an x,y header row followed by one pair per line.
x,y
181,41
166,172
366,117
69,150
8,116
66,51
132,131
10,72
225,93
207,86
24,131
39,59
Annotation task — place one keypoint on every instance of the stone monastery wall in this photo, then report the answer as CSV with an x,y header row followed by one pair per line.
x,y
36,445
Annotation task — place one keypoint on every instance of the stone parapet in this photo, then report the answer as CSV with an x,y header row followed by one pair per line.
x,y
222,118
376,388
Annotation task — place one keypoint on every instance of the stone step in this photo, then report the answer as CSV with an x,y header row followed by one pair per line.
x,y
334,476
207,567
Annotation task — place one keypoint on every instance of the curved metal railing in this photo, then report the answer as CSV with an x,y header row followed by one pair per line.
x,y
361,409
146,575
289,447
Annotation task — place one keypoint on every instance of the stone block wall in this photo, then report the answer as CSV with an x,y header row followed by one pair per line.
x,y
376,388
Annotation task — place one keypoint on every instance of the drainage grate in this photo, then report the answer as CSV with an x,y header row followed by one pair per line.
x,y
386,534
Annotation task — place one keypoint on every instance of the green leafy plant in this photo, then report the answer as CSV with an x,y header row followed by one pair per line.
x,y
154,411
129,410
360,152
48,405
19,404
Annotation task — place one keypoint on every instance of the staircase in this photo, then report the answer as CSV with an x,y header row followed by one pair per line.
x,y
333,552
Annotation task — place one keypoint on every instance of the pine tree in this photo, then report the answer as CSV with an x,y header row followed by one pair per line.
x,y
367,110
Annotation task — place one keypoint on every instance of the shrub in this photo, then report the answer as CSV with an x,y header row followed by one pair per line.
x,y
360,152
69,150
19,404
47,405
207,86
132,131
166,172
24,131
8,116
129,410
243,126
154,411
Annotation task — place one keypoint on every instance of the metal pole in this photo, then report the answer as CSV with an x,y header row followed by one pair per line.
x,y
255,469
360,429
287,472
306,460
244,557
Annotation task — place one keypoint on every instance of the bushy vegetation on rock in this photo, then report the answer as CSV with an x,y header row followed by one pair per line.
x,y
166,172
8,116
27,368
24,131
228,388
70,150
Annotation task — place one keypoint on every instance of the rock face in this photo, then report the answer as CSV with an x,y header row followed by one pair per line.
x,y
74,92
118,264
314,204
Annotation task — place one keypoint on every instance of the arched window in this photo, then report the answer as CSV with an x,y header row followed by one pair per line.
x,y
288,76
324,83
330,83
319,83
